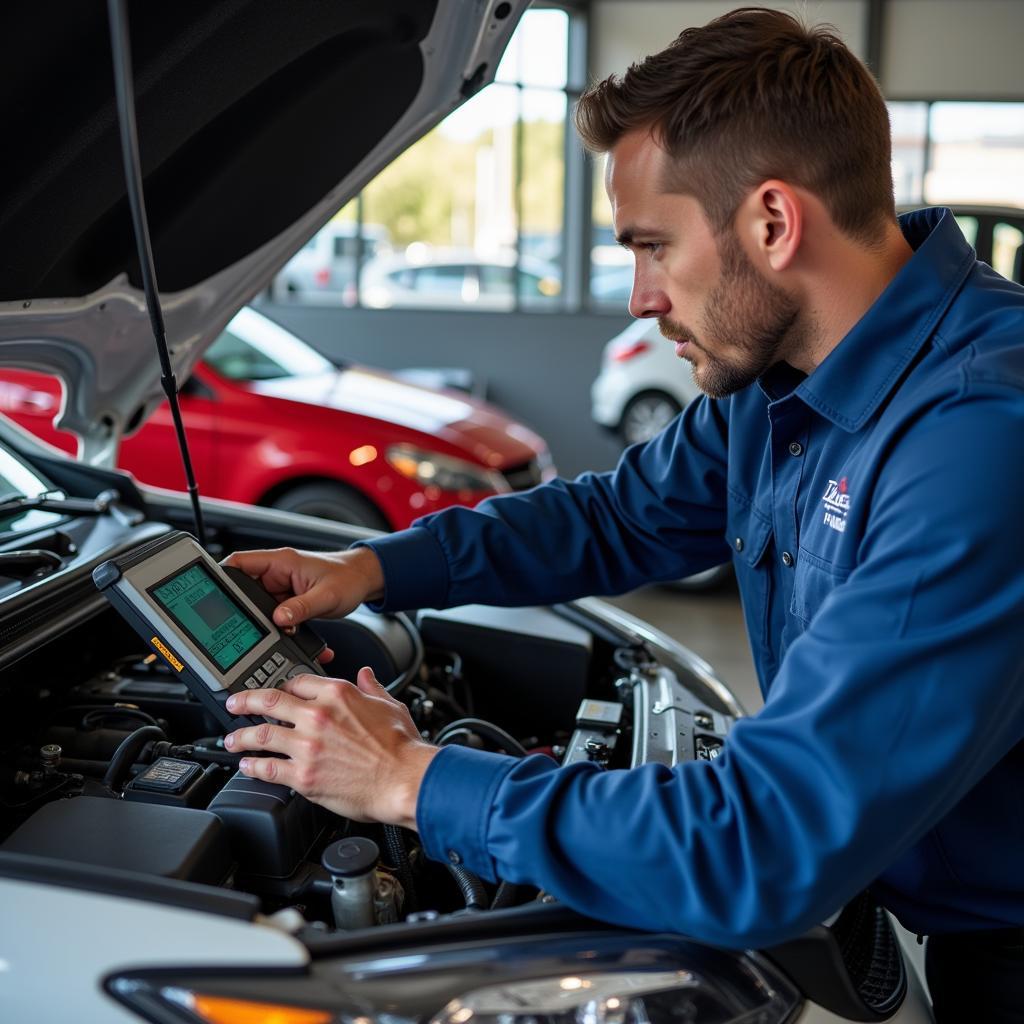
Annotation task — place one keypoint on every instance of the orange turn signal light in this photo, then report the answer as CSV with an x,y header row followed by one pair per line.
x,y
218,1010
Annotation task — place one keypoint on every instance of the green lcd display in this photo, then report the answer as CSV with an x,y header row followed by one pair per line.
x,y
214,621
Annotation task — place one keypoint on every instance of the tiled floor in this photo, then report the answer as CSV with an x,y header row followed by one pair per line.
x,y
711,625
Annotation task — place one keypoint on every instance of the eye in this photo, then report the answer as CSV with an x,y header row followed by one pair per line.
x,y
651,247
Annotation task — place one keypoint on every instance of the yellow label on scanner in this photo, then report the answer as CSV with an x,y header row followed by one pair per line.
x,y
155,641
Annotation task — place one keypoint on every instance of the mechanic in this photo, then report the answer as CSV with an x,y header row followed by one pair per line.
x,y
860,453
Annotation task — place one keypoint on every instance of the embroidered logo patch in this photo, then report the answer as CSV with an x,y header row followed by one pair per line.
x,y
836,502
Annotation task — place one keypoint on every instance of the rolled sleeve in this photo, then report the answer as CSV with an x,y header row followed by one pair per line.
x,y
415,570
456,798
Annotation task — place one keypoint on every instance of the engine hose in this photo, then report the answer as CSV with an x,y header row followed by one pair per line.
x,y
397,855
83,766
505,896
412,671
488,730
97,714
473,892
206,755
124,757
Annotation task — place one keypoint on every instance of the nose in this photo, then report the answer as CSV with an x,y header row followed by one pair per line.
x,y
647,300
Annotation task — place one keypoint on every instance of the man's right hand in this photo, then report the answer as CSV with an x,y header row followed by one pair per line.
x,y
313,585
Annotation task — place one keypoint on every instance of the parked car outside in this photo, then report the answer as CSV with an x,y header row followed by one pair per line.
x,y
273,423
325,268
459,278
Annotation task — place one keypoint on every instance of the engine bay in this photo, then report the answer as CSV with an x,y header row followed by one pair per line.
x,y
107,760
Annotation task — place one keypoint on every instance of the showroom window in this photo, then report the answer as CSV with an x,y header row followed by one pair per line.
x,y
976,153
473,215
966,152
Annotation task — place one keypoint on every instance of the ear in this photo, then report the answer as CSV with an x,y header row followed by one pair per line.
x,y
772,220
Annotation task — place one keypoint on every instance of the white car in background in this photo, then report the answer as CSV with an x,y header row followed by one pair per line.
x,y
643,384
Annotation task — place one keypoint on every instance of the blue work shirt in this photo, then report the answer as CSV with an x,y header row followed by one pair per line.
x,y
873,511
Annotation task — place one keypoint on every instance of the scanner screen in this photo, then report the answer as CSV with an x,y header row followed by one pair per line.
x,y
212,619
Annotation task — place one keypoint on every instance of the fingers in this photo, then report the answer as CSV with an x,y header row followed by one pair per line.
x,y
275,569
269,769
272,703
301,581
273,738
311,687
326,656
321,600
252,563
367,682
306,687
311,585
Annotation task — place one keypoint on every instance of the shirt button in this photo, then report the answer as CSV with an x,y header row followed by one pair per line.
x,y
796,449
787,559
453,857
738,543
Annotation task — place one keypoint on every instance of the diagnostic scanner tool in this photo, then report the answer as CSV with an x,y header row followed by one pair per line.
x,y
212,625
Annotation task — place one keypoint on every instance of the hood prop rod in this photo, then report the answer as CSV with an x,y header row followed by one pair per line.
x,y
124,84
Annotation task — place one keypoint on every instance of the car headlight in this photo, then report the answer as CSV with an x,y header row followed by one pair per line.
x,y
429,469
565,978
658,997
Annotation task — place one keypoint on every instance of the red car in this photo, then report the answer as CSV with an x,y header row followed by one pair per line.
x,y
271,422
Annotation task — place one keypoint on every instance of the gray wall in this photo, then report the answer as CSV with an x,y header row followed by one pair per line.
x,y
949,49
931,49
537,366
627,30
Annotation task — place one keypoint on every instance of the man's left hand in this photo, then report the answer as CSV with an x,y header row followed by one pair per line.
x,y
354,749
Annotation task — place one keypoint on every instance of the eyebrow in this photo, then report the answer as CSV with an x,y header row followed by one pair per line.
x,y
630,235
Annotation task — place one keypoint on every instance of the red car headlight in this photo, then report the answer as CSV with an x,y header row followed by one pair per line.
x,y
429,469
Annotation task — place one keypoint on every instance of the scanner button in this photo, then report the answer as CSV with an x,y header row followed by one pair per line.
x,y
269,667
260,675
252,684
279,658
299,670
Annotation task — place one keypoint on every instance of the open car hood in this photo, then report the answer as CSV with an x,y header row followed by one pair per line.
x,y
257,120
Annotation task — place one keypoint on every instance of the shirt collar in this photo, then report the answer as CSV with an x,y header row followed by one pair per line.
x,y
862,370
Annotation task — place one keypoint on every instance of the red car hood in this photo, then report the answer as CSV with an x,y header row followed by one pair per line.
x,y
480,430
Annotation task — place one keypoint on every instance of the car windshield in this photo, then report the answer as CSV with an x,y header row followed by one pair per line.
x,y
17,480
255,348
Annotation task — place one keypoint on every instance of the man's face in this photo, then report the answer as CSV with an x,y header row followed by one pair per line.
x,y
724,316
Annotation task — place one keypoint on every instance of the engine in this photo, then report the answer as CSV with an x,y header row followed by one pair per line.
x,y
106,759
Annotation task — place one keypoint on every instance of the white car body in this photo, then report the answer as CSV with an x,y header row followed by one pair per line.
x,y
638,364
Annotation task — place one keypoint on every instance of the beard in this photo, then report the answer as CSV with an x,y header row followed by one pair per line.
x,y
745,324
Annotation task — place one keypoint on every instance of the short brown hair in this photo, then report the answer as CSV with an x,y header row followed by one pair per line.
x,y
750,96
